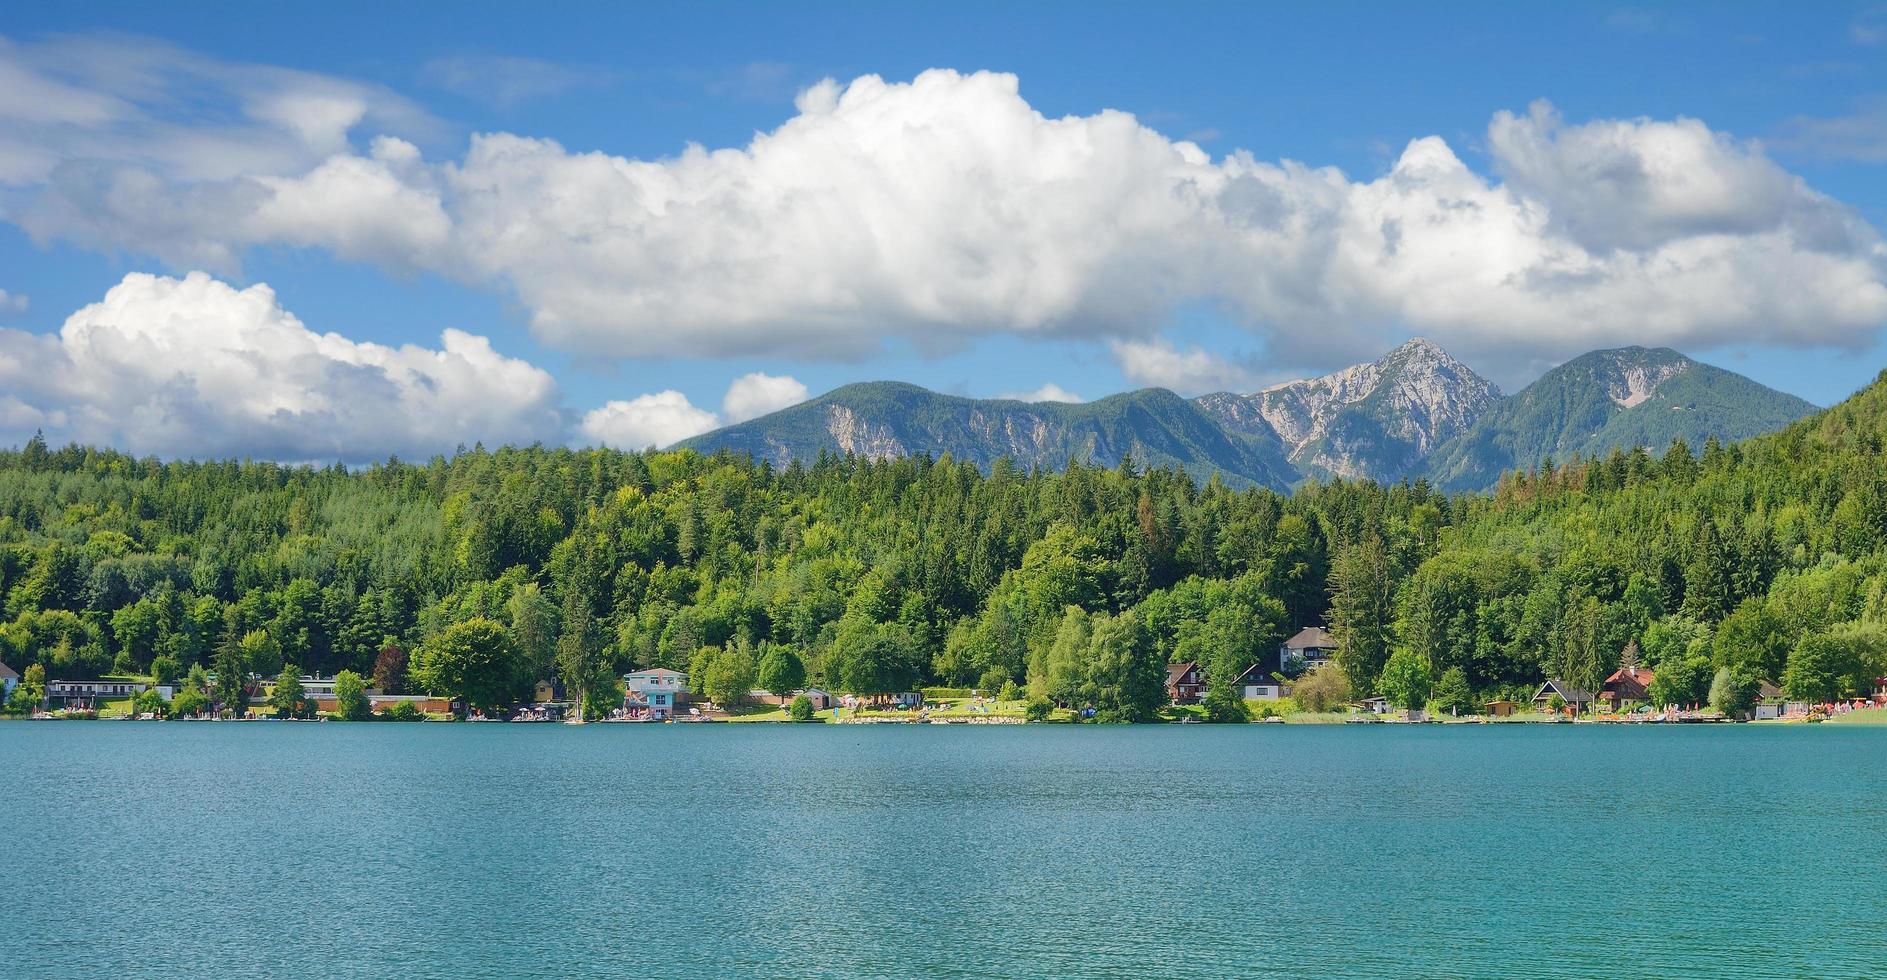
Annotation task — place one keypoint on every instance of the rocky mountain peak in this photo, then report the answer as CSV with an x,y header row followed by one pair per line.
x,y
1417,395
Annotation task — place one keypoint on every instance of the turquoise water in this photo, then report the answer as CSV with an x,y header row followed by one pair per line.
x,y
727,850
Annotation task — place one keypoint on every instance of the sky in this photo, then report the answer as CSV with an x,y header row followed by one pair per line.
x,y
349,231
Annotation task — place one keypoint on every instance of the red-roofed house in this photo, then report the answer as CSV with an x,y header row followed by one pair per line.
x,y
1627,685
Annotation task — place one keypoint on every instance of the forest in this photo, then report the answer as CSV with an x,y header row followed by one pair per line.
x,y
474,575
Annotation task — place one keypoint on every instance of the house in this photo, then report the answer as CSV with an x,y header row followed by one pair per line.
x,y
821,700
9,679
93,694
907,699
1501,709
654,692
1575,698
1377,705
1184,682
548,692
1626,685
1310,649
1256,685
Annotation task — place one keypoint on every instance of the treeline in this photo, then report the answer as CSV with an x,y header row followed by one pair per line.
x,y
499,568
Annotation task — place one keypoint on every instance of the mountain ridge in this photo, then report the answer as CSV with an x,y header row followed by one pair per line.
x,y
1414,413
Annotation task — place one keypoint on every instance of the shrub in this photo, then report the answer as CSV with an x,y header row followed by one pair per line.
x,y
403,711
1038,709
800,709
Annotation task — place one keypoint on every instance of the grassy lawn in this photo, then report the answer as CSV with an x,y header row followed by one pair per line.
x,y
1866,716
757,712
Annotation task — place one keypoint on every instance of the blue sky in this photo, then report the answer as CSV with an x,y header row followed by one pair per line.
x,y
1779,92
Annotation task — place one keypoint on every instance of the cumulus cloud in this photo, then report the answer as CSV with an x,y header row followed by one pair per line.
x,y
1191,371
1049,392
947,207
646,421
753,395
125,143
667,417
196,367
11,303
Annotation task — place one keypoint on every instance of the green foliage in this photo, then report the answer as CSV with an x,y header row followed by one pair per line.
x,y
1324,689
1361,615
725,675
166,670
402,711
1681,680
1452,693
288,698
1839,662
602,695
473,662
800,709
781,670
1733,691
1038,709
149,702
232,676
1407,679
29,691
350,697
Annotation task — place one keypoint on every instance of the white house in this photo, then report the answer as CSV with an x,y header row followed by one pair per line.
x,y
1256,685
9,679
89,694
1310,649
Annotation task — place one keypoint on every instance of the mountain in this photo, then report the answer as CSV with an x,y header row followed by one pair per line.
x,y
1415,413
884,419
1377,421
1610,399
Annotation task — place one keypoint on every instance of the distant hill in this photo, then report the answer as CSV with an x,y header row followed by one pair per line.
x,y
1415,413
885,419
1633,396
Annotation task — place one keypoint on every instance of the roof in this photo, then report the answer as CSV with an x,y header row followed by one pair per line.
x,y
1640,676
1311,638
1176,671
1564,690
8,673
1767,689
655,672
1254,674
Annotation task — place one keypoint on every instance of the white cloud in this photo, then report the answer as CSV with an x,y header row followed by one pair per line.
x,y
753,395
657,420
1192,371
196,367
11,303
1049,392
667,417
946,208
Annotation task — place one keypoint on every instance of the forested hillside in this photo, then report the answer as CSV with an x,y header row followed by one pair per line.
x,y
498,568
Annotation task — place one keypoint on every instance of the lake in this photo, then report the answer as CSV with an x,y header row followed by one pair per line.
x,y
771,850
